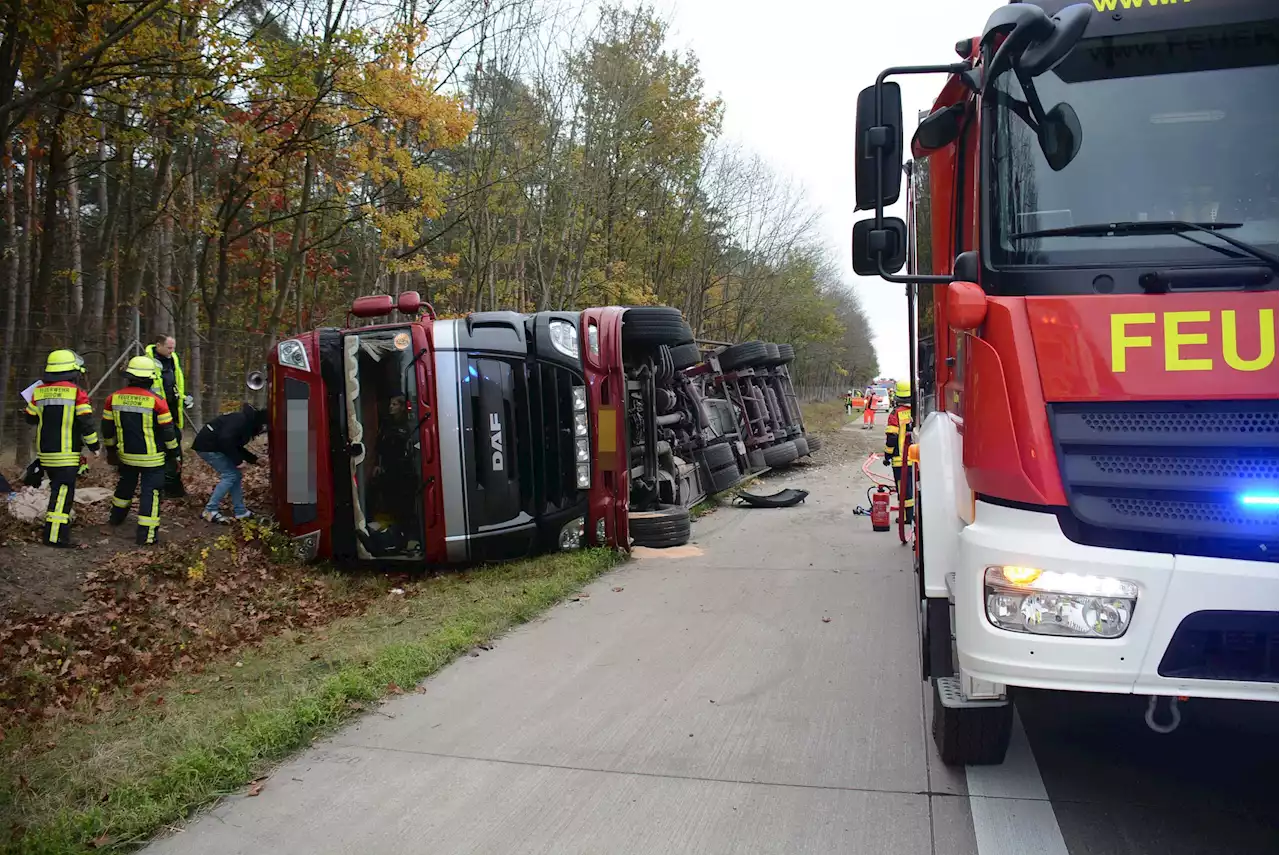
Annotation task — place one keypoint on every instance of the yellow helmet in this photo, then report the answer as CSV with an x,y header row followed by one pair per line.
x,y
63,361
141,368
903,389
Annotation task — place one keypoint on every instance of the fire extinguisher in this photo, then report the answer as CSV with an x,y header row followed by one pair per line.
x,y
880,509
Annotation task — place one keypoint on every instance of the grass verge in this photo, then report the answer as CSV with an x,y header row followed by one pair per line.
x,y
108,781
824,416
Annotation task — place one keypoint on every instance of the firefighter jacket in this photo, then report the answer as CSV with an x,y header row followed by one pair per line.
x,y
898,434
137,424
64,420
178,387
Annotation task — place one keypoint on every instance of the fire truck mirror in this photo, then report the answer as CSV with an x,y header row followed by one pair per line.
x,y
878,147
939,129
966,305
1059,135
1068,26
882,250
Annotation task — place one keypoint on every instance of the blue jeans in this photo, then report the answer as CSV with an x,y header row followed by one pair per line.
x,y
229,478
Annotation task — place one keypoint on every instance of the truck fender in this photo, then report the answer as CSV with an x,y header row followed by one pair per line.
x,y
942,488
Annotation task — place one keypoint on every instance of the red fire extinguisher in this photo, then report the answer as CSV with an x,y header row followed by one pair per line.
x,y
880,509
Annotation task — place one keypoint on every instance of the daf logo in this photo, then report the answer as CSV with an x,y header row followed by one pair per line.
x,y
495,441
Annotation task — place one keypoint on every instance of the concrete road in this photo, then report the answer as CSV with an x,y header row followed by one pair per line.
x,y
755,692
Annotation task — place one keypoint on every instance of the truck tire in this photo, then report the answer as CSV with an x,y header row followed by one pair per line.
x,y
724,478
815,442
646,327
718,456
786,353
685,356
802,446
780,455
774,359
970,736
664,526
743,355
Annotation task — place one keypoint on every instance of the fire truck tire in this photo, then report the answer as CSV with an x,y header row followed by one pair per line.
x,y
718,456
685,356
815,442
664,526
780,455
802,446
971,736
786,353
646,327
743,355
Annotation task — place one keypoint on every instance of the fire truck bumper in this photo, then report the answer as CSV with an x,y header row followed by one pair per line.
x,y
1196,627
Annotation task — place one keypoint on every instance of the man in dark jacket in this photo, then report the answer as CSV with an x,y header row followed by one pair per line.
x,y
221,443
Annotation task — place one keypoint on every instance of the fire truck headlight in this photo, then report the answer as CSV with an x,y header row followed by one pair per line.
x,y
291,353
306,546
571,534
564,338
1027,599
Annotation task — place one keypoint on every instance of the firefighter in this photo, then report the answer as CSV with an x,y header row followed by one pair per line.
x,y
848,403
869,410
138,430
170,383
63,416
897,437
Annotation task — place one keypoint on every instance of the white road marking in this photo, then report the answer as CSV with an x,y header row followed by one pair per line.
x,y
1011,811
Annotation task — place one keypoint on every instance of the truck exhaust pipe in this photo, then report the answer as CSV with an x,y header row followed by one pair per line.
x,y
1175,717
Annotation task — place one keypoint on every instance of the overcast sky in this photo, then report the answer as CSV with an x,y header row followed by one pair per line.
x,y
790,72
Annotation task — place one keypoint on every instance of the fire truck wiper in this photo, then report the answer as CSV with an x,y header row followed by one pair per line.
x,y
1157,227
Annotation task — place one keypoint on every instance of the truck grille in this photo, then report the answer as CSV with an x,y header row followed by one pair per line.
x,y
551,412
1222,645
1170,476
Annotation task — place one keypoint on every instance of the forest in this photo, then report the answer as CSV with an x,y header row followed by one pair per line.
x,y
231,171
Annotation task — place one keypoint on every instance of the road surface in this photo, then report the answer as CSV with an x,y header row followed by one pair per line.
x,y
755,692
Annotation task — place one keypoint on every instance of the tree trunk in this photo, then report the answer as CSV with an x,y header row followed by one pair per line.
x,y
76,273
12,274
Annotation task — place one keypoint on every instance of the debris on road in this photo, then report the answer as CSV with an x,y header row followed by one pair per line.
x,y
782,499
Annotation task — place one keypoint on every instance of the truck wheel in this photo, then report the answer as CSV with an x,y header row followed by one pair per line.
x,y
786,353
664,526
780,455
718,456
815,442
802,446
773,360
969,735
685,356
724,478
646,327
743,355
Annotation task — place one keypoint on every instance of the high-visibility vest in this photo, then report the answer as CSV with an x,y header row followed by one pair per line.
x,y
64,421
137,423
179,379
897,434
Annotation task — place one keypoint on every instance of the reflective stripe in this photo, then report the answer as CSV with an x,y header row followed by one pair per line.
x,y
142,461
149,521
54,402
121,503
90,438
131,408
59,458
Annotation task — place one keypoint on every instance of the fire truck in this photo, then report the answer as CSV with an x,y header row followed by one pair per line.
x,y
501,434
1096,457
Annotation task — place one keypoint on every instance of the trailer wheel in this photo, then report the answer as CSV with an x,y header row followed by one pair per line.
x,y
685,356
780,455
718,456
786,353
664,526
976,735
646,327
743,355
815,442
802,446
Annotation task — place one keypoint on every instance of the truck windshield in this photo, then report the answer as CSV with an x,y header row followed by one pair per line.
x,y
1175,125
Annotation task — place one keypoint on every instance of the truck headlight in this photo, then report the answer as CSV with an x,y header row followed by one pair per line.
x,y
564,338
571,534
584,476
584,449
306,546
290,352
579,424
601,534
1040,602
579,399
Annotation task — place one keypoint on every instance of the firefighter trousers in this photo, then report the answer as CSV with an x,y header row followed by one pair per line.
x,y
906,491
62,493
152,478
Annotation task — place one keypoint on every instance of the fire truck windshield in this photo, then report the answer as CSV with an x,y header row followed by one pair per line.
x,y
1178,125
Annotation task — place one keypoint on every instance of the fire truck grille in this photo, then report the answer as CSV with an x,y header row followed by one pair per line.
x,y
1188,477
1219,645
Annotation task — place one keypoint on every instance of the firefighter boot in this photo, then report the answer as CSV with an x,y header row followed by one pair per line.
x,y
57,518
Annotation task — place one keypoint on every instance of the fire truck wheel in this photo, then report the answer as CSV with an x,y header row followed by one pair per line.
x,y
664,526
970,736
786,353
815,442
780,455
685,356
718,456
646,327
743,355
802,446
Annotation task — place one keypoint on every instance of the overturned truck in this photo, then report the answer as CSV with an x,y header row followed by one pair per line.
x,y
499,435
